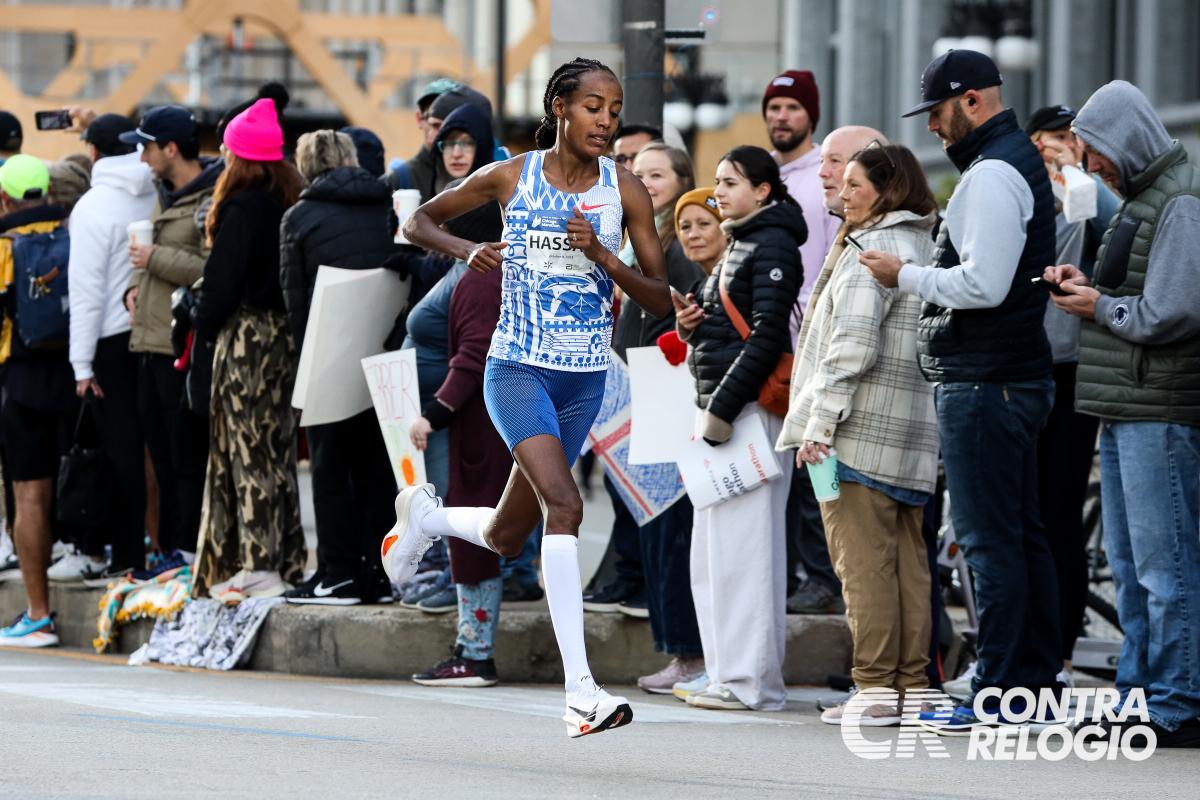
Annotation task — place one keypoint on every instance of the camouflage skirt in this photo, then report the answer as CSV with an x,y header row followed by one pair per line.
x,y
251,513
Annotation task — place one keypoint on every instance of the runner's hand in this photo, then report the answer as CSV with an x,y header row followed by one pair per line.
x,y
486,256
582,237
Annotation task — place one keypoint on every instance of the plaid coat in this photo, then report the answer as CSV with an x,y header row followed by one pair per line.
x,y
855,383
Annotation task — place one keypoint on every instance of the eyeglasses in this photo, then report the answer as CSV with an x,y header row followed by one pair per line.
x,y
466,145
622,158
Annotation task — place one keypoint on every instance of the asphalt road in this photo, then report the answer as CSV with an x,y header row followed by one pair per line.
x,y
79,726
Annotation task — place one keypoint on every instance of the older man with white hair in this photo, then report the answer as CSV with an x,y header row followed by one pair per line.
x,y
839,146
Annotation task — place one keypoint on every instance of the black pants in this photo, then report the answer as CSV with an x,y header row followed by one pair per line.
x,y
354,491
625,546
121,440
1066,448
806,543
666,557
178,443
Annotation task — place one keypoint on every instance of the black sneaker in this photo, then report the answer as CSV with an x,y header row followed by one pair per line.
x,y
516,591
635,607
109,575
459,671
376,588
325,590
606,600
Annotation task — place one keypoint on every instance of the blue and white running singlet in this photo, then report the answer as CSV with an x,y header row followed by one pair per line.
x,y
556,305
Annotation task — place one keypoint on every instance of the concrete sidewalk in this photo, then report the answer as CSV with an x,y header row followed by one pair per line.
x,y
391,642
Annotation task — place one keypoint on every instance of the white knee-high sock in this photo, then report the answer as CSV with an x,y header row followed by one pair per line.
x,y
464,522
564,594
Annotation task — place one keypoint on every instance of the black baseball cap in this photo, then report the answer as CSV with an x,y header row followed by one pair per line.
x,y
10,129
105,134
163,124
1050,118
953,73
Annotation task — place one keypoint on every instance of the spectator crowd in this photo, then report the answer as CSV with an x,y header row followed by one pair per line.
x,y
156,301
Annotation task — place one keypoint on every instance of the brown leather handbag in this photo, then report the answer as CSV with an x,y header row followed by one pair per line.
x,y
775,392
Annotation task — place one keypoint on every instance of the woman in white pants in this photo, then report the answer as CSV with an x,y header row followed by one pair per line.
x,y
738,331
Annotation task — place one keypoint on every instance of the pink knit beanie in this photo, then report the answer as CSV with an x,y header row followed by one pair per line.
x,y
255,134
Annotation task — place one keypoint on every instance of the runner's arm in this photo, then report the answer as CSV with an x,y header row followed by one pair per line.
x,y
495,182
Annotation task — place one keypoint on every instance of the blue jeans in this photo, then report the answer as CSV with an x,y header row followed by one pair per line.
x,y
989,434
1150,482
522,566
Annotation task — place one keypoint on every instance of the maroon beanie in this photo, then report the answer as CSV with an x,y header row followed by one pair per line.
x,y
801,86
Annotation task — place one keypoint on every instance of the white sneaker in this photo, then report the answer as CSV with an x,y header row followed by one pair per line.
x,y
718,697
60,550
1066,678
405,544
590,710
960,687
245,584
76,567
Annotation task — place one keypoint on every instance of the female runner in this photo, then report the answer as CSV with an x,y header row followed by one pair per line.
x,y
566,206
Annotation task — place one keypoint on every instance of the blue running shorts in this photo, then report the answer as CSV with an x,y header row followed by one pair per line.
x,y
524,400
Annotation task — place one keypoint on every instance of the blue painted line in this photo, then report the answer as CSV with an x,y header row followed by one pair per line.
x,y
211,726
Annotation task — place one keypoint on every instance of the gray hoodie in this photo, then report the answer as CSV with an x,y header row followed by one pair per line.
x,y
1121,124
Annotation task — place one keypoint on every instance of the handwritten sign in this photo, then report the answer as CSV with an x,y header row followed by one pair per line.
x,y
714,475
392,382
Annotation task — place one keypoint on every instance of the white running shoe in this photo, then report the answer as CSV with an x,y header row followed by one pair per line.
x,y
76,567
590,710
405,544
960,687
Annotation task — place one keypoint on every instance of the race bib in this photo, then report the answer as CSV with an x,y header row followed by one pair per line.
x,y
548,246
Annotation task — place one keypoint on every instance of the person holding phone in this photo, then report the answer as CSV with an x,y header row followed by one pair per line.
x,y
738,548
857,389
566,206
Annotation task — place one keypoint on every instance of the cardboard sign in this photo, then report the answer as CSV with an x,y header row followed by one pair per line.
x,y
714,475
352,312
662,406
392,385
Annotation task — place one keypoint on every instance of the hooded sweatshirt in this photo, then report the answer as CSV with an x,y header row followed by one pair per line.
x,y
1119,122
476,122
122,192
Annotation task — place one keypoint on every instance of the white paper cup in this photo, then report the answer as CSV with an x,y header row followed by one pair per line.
x,y
141,232
404,203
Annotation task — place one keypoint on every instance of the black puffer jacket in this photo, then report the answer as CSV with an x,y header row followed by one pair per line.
x,y
763,272
341,220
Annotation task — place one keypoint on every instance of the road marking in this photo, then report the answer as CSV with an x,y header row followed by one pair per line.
x,y
157,703
548,703
210,726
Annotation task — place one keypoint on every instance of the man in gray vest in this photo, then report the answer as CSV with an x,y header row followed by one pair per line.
x,y
1139,372
981,340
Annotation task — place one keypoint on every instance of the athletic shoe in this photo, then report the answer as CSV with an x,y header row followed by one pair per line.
x,y
109,575
517,591
325,590
686,689
607,599
413,597
459,671
717,696
10,568
74,568
590,710
1066,678
960,687
680,670
246,584
442,601
876,715
159,566
637,608
404,544
26,632
813,598
60,550
376,588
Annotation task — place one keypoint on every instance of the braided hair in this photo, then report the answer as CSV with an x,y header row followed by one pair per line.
x,y
563,83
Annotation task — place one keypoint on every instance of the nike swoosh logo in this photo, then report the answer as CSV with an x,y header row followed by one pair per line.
x,y
321,591
588,716
586,207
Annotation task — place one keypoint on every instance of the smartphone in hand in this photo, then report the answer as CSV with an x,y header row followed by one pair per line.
x,y
1050,286
678,297
57,120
